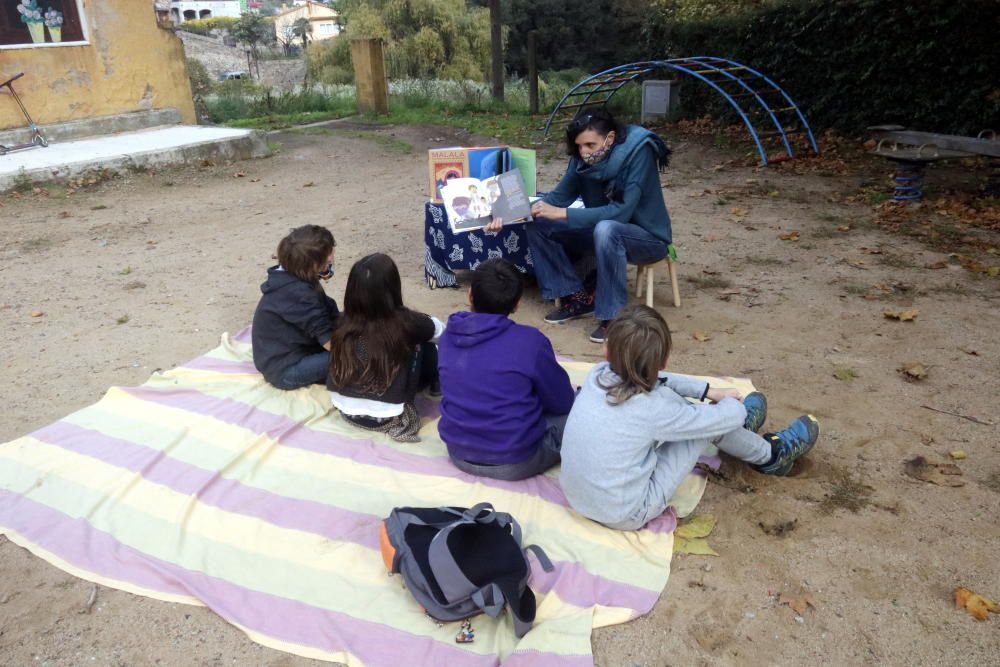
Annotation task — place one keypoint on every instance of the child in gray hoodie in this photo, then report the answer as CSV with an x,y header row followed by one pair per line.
x,y
632,435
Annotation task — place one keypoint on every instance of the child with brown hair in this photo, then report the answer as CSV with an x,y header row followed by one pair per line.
x,y
381,353
632,435
294,319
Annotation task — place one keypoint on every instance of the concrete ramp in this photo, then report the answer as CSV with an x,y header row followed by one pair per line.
x,y
144,149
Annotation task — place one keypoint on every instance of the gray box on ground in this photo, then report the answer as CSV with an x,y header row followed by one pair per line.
x,y
659,99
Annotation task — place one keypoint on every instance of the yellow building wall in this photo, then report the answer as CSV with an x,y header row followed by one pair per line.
x,y
130,64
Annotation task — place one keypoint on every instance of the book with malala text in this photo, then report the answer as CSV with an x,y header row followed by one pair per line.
x,y
473,203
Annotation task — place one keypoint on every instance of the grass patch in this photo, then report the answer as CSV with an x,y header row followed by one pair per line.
x,y
36,245
845,374
386,141
847,493
896,261
310,130
281,121
709,282
492,119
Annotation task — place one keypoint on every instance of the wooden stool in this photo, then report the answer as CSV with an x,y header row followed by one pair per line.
x,y
644,273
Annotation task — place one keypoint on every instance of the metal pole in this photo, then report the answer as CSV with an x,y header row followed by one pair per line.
x,y
496,50
532,72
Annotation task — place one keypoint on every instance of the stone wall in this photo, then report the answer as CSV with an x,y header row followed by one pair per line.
x,y
218,58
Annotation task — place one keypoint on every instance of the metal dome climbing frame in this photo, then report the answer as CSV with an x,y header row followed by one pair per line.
x,y
737,84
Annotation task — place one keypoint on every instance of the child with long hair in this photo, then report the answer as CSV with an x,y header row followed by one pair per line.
x,y
294,320
381,352
632,435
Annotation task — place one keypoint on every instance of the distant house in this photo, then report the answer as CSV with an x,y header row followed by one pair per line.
x,y
94,59
325,21
185,10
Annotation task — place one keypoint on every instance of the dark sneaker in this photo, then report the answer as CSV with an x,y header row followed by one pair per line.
x,y
573,306
600,333
790,444
756,405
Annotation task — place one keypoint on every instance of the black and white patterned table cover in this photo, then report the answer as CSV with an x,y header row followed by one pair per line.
x,y
446,252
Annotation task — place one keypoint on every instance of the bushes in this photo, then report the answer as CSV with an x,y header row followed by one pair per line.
x,y
206,26
930,65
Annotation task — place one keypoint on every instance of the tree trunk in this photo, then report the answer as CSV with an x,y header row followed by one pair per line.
x,y
496,50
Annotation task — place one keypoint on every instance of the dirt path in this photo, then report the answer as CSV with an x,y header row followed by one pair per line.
x,y
144,273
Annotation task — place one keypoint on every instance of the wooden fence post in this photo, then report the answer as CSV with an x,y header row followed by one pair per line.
x,y
369,75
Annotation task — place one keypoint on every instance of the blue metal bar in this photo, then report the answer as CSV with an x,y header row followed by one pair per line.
x,y
637,68
791,102
760,100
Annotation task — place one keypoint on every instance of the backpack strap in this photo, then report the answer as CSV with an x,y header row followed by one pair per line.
x,y
490,599
543,558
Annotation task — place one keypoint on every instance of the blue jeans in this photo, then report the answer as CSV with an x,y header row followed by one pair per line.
x,y
614,244
546,455
308,370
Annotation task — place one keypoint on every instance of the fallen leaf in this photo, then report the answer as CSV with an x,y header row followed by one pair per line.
x,y
255,180
942,474
871,251
239,174
773,193
64,214
701,336
709,273
778,528
913,371
309,184
135,284
738,212
843,228
689,537
975,604
967,351
798,604
790,236
957,455
937,265
711,237
730,291
37,313
902,315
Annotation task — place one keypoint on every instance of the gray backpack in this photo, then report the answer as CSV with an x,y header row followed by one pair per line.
x,y
461,562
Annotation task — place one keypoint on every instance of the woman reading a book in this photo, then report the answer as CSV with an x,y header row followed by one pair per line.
x,y
614,169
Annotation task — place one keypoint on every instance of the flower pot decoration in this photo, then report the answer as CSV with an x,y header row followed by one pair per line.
x,y
31,16
54,21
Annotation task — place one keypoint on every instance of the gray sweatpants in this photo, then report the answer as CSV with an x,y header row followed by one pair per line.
x,y
676,460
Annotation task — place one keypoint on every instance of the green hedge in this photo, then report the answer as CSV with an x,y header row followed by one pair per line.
x,y
929,64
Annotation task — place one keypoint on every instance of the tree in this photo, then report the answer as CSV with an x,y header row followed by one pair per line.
x,y
252,30
302,28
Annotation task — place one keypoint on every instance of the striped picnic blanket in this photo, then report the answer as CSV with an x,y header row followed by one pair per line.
x,y
207,486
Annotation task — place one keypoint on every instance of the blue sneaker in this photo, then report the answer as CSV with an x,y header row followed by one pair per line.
x,y
790,444
756,405
573,306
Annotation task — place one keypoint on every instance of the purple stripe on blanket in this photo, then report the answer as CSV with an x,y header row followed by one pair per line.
x,y
570,580
533,658
712,462
213,489
293,434
95,551
573,584
221,365
243,335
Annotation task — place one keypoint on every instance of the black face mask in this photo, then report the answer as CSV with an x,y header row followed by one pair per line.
x,y
327,273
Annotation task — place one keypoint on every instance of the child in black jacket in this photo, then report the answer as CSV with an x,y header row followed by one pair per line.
x,y
294,320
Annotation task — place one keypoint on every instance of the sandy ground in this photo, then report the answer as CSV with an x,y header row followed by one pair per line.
x,y
143,273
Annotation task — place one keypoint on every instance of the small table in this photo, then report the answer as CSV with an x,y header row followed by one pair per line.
x,y
446,252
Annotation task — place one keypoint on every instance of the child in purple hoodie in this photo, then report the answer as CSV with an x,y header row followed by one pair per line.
x,y
505,397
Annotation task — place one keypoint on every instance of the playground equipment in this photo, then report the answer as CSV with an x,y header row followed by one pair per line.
x,y
912,151
755,98
36,133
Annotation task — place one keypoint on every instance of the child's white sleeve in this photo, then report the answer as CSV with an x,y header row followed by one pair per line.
x,y
679,420
685,386
438,328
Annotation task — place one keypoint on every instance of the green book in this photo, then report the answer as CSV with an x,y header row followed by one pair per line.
x,y
524,161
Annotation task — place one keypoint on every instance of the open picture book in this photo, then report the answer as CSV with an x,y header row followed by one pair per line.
x,y
472,203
